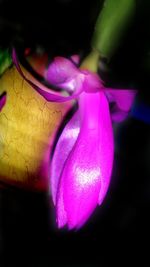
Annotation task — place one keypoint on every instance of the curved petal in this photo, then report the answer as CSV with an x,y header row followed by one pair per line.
x,y
118,115
63,148
61,70
86,173
64,73
124,99
71,85
75,59
45,91
2,100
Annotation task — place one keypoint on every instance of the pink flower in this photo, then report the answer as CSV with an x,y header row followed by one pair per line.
x,y
82,162
2,100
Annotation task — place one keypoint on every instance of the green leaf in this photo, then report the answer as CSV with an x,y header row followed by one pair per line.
x,y
112,22
5,60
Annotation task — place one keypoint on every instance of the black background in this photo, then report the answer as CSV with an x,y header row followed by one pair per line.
x,y
118,232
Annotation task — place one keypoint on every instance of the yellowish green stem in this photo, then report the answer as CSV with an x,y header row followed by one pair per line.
x,y
91,61
111,25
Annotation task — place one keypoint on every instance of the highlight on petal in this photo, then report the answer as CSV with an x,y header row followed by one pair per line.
x,y
123,99
63,148
45,92
86,174
2,100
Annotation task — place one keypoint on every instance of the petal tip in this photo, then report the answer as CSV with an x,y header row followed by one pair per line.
x,y
2,100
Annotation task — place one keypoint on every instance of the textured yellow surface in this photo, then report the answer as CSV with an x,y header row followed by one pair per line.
x,y
27,127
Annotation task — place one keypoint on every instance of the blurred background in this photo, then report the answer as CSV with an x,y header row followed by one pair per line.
x,y
118,232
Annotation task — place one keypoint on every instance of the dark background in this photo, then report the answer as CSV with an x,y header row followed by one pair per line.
x,y
118,232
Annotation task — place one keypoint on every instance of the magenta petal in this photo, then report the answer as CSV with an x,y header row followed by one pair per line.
x,y
75,59
61,213
118,115
78,202
2,100
45,92
71,85
63,148
123,99
86,174
61,70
